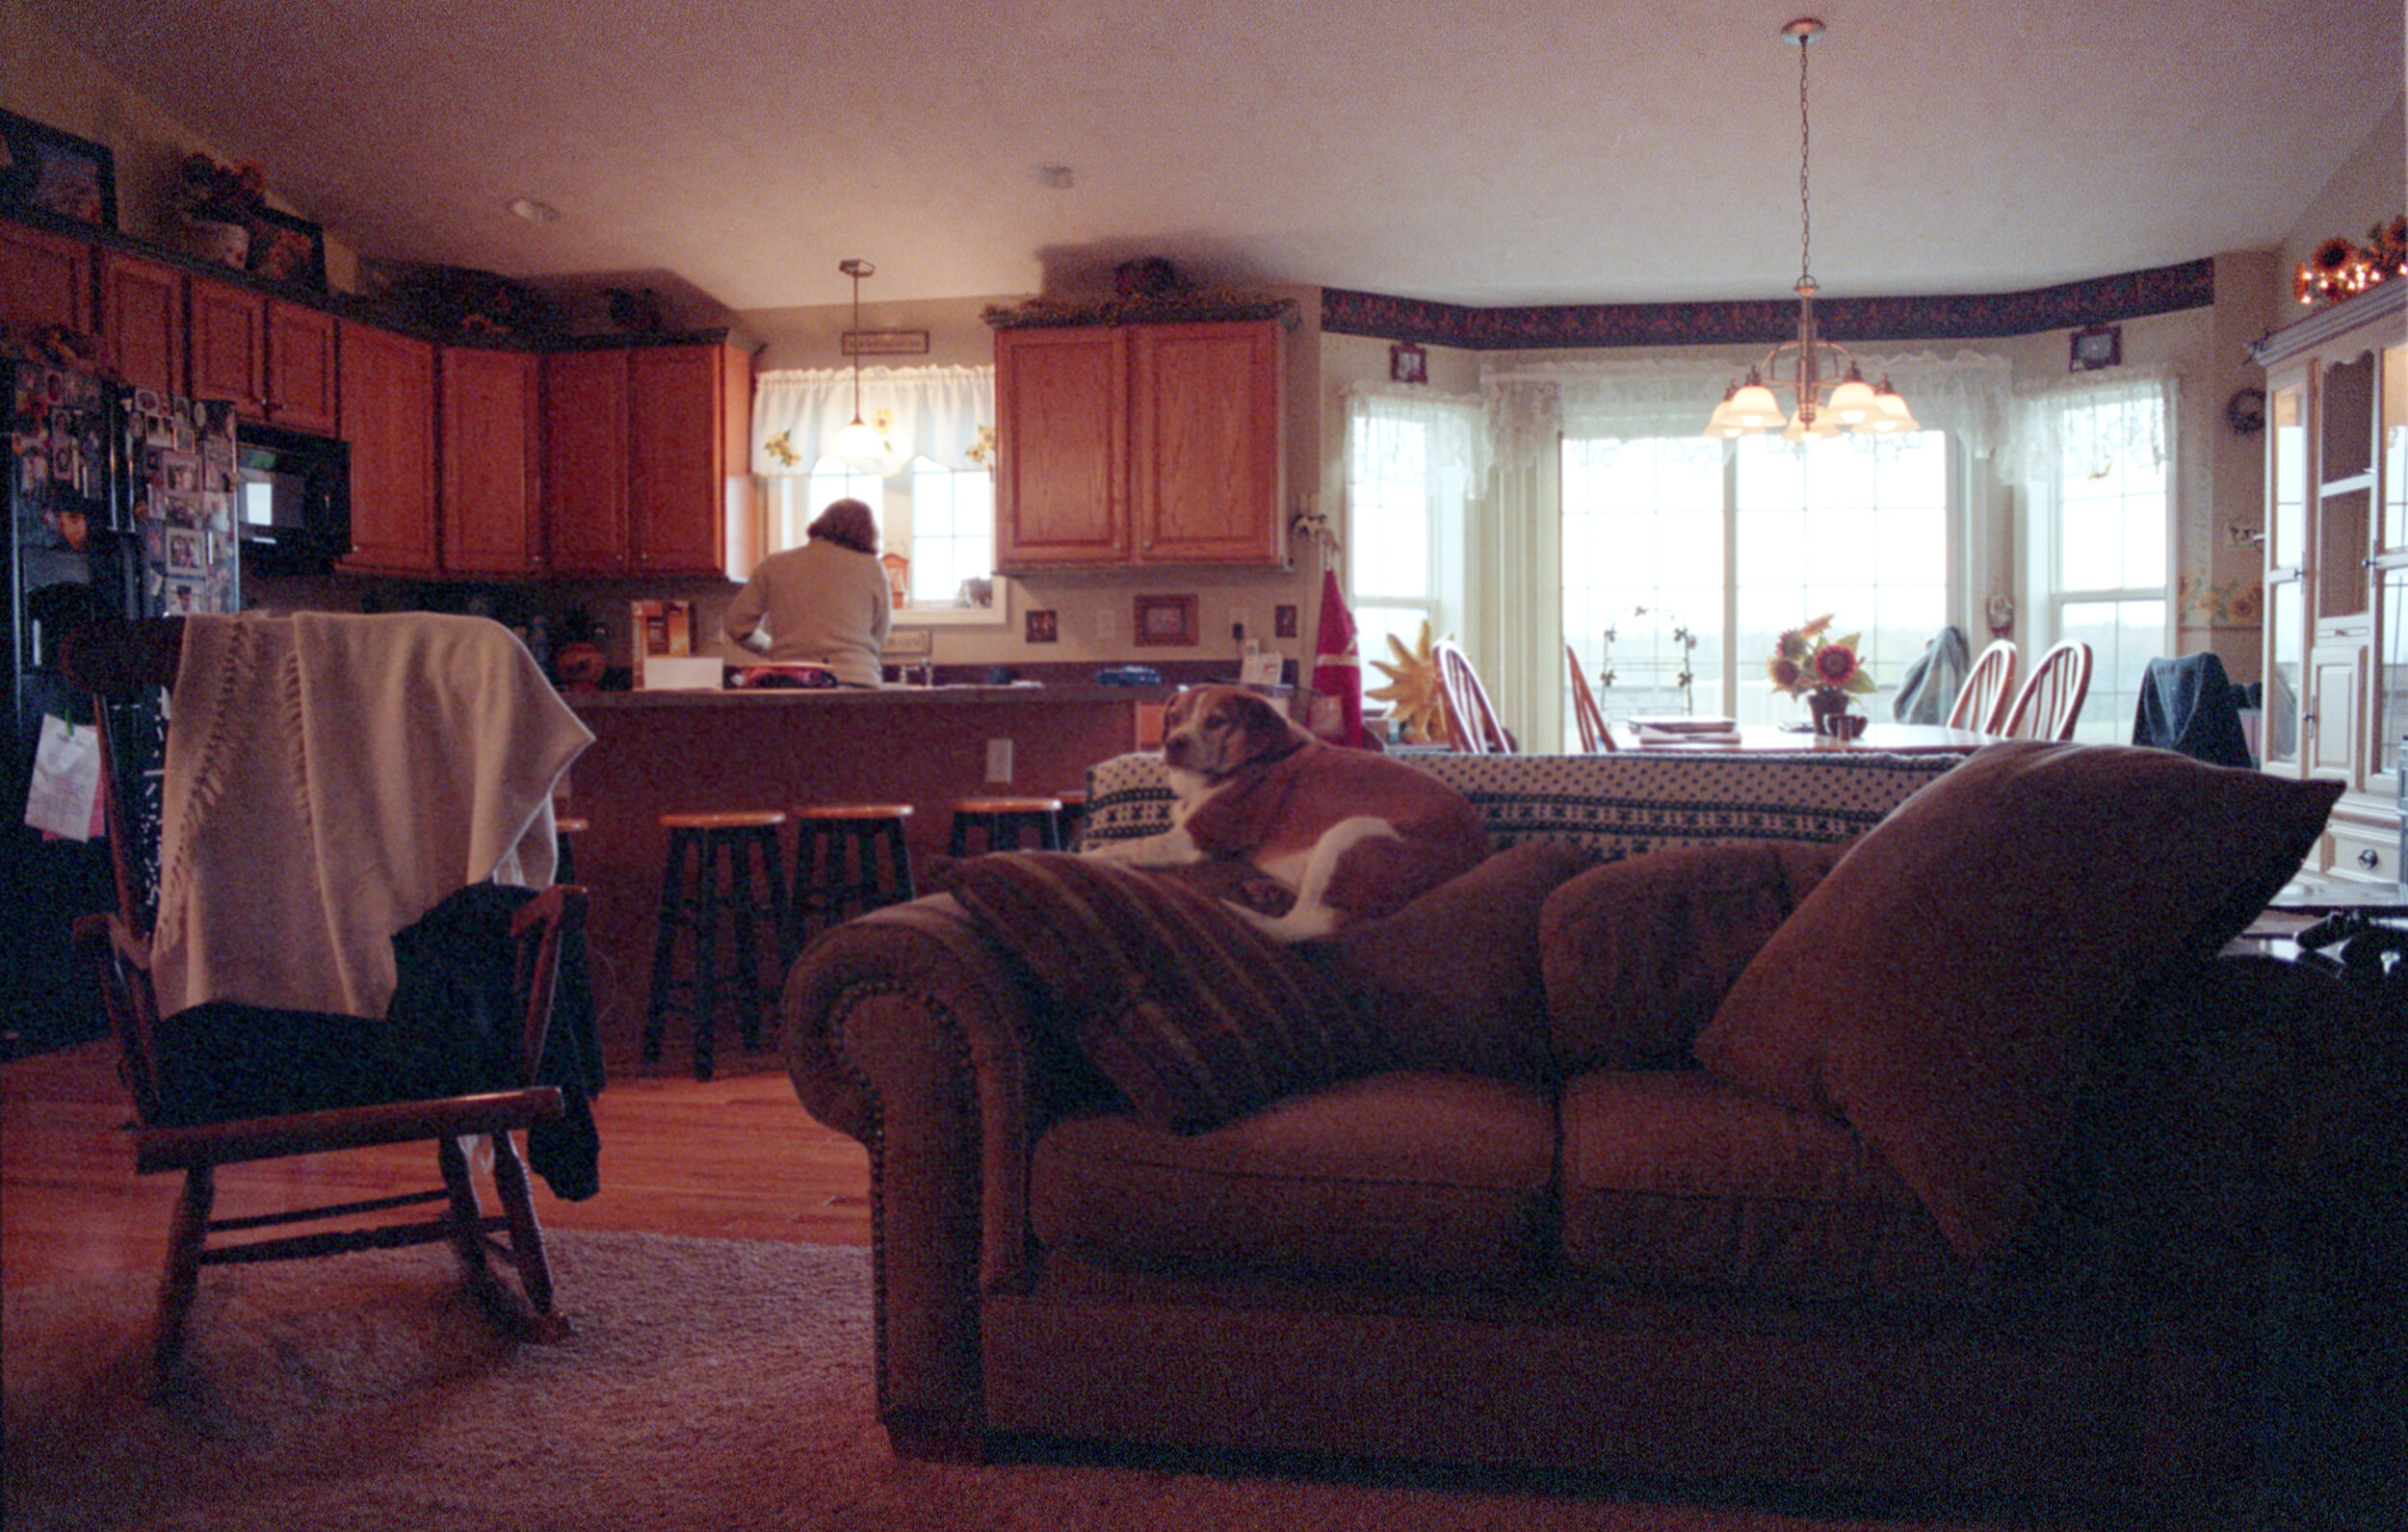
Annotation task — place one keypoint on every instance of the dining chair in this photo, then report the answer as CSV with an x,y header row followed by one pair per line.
x,y
224,1083
1472,726
2050,704
1988,691
1595,737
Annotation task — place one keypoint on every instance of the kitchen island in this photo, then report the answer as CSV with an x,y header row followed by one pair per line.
x,y
659,752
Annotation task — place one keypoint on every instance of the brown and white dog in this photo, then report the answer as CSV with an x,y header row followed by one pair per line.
x,y
1353,833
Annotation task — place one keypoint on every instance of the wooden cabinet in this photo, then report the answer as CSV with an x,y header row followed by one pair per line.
x,y
2337,569
584,462
389,417
275,360
492,425
1142,444
229,345
45,279
302,377
648,459
141,322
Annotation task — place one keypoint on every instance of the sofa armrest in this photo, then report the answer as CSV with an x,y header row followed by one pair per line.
x,y
906,1029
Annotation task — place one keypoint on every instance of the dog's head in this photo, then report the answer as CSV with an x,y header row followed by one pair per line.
x,y
1215,730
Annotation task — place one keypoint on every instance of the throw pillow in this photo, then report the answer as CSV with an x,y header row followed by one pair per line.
x,y
1452,980
1941,989
1195,1016
1639,952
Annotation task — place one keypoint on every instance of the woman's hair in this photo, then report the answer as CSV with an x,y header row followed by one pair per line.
x,y
847,523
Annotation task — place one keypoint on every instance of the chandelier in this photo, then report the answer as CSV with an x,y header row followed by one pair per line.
x,y
857,444
1827,390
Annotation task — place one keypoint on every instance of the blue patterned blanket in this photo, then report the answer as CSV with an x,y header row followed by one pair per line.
x,y
1622,804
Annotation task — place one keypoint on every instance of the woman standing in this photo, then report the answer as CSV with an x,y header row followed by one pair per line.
x,y
825,602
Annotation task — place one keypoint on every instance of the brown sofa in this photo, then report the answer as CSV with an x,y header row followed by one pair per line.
x,y
1946,1159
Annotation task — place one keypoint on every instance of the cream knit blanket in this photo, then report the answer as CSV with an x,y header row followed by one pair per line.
x,y
328,779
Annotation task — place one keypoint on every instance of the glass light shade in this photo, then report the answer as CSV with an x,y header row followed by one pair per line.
x,y
1852,401
1754,409
1893,414
858,443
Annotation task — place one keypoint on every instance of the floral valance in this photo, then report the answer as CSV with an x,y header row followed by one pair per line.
x,y
945,414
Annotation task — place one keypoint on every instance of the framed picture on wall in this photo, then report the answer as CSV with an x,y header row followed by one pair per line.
x,y
55,172
1165,621
284,249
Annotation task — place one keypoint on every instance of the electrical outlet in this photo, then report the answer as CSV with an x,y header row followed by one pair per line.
x,y
998,761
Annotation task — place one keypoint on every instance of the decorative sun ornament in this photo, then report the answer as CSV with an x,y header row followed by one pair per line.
x,y
1412,694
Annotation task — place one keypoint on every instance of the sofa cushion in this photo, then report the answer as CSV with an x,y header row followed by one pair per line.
x,y
1672,1177
1195,1016
1942,989
1452,980
1407,1177
1639,953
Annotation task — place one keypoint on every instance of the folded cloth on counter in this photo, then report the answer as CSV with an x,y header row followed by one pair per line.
x,y
328,779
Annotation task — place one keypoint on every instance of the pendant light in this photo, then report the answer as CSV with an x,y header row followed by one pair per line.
x,y
857,444
1816,367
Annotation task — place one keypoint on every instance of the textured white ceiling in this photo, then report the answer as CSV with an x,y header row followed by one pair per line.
x,y
1471,151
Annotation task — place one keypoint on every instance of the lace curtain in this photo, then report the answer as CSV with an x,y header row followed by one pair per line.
x,y
1627,399
945,414
1454,463
2128,413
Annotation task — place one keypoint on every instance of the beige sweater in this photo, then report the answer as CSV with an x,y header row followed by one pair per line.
x,y
328,779
822,602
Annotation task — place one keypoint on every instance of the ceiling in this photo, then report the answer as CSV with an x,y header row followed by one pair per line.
x,y
1512,152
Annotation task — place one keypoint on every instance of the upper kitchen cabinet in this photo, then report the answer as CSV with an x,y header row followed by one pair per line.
x,y
648,459
45,279
389,417
141,322
1139,444
492,425
275,360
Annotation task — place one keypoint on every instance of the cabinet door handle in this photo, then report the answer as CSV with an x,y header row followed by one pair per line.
x,y
2370,859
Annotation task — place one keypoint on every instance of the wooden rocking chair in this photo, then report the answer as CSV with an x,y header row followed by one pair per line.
x,y
173,1134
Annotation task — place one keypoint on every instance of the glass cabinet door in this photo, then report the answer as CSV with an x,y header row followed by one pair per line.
x,y
2287,505
2286,656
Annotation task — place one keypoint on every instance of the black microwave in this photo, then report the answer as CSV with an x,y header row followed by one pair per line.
x,y
293,508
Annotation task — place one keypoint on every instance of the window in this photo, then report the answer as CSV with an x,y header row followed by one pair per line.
x,y
1411,460
2104,485
933,492
1683,558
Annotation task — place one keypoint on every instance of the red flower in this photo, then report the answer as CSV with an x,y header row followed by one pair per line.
x,y
1835,664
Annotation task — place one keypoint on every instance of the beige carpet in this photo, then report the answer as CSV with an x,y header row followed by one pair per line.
x,y
712,1383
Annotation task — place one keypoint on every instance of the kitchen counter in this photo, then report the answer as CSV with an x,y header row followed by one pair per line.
x,y
659,752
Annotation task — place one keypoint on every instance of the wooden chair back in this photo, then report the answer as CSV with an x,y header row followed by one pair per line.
x,y
2050,704
1988,691
113,663
1594,736
1472,726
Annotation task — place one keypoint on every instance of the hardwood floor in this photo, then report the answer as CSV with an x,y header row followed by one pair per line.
x,y
737,1158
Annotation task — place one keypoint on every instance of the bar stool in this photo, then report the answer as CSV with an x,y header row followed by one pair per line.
x,y
1072,820
999,822
710,873
837,873
564,851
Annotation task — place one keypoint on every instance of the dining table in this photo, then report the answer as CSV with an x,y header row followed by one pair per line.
x,y
1886,737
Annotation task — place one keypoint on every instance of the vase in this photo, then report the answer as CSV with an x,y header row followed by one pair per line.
x,y
1827,703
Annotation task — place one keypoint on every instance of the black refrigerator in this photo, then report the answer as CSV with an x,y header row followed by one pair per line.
x,y
119,501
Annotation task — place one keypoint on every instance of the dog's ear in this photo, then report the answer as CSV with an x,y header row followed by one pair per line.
x,y
1266,729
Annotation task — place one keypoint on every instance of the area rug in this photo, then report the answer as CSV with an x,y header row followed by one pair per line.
x,y
711,1384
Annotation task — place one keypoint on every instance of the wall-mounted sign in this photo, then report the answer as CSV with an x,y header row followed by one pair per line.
x,y
886,343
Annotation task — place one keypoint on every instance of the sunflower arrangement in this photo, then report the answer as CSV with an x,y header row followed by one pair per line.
x,y
1803,661
2338,268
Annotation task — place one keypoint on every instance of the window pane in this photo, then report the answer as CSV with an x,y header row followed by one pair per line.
x,y
2124,636
1642,565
